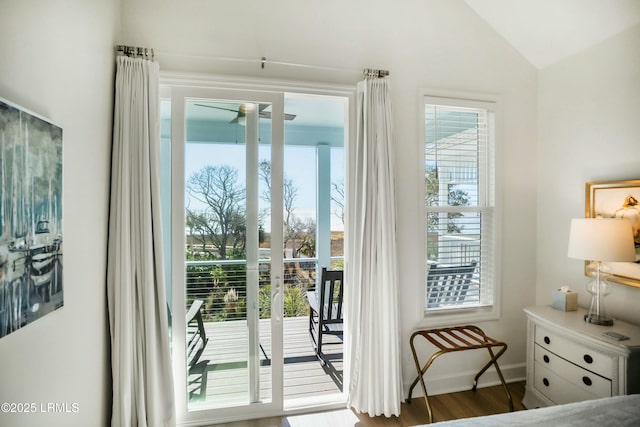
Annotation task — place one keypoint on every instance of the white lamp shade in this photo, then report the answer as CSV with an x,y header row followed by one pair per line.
x,y
601,239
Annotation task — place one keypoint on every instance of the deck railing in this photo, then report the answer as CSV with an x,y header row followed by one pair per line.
x,y
222,285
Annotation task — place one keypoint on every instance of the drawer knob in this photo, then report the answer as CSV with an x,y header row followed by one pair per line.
x,y
587,380
588,358
545,382
547,340
545,358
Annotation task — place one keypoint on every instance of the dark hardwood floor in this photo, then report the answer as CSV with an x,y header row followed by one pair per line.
x,y
465,404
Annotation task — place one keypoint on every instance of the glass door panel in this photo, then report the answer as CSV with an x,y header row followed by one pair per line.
x,y
232,351
313,183
222,236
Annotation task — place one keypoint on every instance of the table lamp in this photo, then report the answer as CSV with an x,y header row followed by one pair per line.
x,y
600,240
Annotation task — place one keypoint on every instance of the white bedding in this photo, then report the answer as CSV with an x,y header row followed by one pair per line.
x,y
618,411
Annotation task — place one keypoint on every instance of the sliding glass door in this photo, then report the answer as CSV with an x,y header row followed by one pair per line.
x,y
254,196
226,278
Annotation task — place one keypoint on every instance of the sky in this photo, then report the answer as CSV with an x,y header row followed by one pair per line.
x,y
317,118
299,167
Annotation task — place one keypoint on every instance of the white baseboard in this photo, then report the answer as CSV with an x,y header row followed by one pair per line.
x,y
463,381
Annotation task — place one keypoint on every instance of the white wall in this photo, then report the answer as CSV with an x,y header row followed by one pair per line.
x,y
56,59
589,130
439,44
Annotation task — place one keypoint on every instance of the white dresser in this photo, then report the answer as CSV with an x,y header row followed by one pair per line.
x,y
569,360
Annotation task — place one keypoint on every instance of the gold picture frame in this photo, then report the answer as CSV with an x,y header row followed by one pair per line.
x,y
621,199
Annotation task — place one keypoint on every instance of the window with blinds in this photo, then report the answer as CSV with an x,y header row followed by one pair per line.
x,y
459,204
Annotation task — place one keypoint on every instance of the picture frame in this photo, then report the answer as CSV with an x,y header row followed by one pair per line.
x,y
31,223
617,199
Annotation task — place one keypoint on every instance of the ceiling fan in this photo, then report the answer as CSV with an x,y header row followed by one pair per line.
x,y
242,112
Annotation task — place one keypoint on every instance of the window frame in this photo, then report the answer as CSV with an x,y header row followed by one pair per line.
x,y
491,309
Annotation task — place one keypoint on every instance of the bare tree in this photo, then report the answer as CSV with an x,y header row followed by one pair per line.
x,y
199,229
290,194
291,230
337,196
265,174
222,220
308,237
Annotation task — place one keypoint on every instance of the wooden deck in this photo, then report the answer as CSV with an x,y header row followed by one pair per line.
x,y
221,377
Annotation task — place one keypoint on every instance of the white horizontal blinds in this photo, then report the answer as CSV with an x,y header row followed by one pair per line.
x,y
457,201
487,245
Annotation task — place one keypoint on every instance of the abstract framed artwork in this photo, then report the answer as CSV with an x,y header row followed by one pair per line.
x,y
617,199
30,217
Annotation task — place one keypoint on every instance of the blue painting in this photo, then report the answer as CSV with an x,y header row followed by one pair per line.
x,y
30,217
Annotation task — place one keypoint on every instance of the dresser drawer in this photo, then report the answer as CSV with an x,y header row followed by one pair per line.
x,y
579,377
556,388
579,354
562,349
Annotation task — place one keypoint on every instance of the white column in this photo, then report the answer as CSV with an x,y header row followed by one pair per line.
x,y
323,207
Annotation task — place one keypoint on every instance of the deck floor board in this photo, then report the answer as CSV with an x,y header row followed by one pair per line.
x,y
222,376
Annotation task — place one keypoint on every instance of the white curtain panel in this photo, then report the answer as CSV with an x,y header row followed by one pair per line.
x,y
143,393
372,278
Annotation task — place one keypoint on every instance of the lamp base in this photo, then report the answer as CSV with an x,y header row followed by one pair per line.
x,y
599,288
598,319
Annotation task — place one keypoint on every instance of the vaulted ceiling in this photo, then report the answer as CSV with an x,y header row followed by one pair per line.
x,y
547,31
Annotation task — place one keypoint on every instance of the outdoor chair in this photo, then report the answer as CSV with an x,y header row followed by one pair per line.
x,y
448,285
196,343
325,308
196,335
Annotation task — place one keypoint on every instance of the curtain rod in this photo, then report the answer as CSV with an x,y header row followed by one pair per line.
x,y
370,73
135,51
263,62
